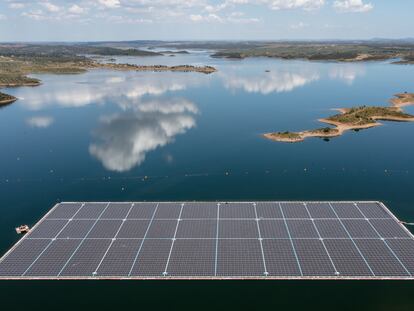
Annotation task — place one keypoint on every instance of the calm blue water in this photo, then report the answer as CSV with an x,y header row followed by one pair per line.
x,y
124,136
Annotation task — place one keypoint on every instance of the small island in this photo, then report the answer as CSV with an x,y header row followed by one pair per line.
x,y
356,118
157,68
6,99
174,52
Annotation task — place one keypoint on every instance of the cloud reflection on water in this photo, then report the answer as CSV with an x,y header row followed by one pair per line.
x,y
40,121
275,81
97,90
149,116
347,72
125,138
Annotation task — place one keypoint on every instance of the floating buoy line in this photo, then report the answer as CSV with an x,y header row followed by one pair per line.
x,y
225,173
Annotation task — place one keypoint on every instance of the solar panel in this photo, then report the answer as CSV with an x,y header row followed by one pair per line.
x,y
75,229
197,229
192,257
273,229
119,258
214,240
313,258
280,258
294,210
330,229
268,210
54,257
142,210
133,229
48,229
117,211
151,258
320,210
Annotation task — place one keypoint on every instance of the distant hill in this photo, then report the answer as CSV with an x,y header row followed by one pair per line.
x,y
25,49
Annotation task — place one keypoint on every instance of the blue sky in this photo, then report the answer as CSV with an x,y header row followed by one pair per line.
x,y
80,20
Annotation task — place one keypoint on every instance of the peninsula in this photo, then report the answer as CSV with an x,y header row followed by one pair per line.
x,y
356,118
6,99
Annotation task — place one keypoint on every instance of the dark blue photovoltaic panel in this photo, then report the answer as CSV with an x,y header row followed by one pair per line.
x,y
346,210
76,229
320,210
133,229
49,228
313,258
268,210
239,258
237,210
238,229
373,210
280,258
105,229
294,210
86,258
65,210
388,228
197,229
348,261
360,228
142,211
119,258
235,240
192,257
91,211
200,210
53,258
273,229
404,249
152,258
330,228
18,261
116,211
380,258
161,229
168,211
302,229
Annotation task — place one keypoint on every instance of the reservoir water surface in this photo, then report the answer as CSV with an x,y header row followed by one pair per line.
x,y
134,136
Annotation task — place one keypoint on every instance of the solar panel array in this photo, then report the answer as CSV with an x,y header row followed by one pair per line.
x,y
237,240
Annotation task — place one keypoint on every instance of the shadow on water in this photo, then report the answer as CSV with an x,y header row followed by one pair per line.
x,y
209,295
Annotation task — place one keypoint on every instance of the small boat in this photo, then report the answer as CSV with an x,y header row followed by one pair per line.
x,y
22,229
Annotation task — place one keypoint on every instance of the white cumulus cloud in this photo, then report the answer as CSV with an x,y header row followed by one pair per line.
x,y
352,6
110,3
296,4
50,7
76,9
281,4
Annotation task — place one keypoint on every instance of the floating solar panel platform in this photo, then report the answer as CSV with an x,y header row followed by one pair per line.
x,y
214,240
